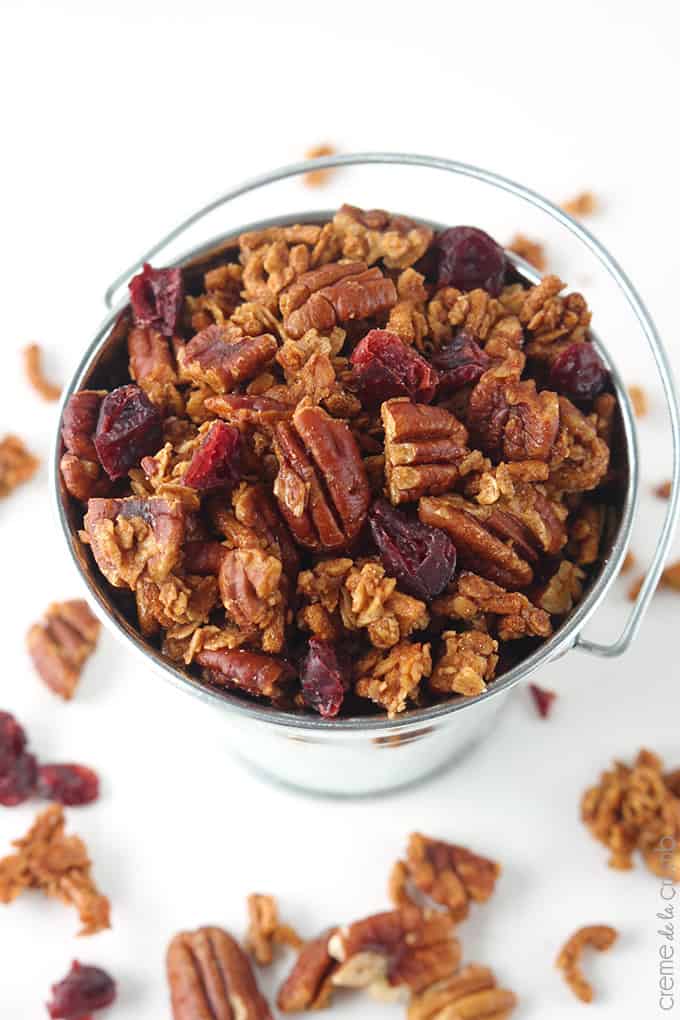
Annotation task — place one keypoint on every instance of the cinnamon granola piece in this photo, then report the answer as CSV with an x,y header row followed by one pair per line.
x,y
562,590
407,318
472,993
530,250
310,983
320,589
548,317
370,599
35,375
580,458
583,204
370,235
265,930
17,464
392,678
474,598
130,537
61,645
663,490
628,562
450,875
599,936
638,399
179,605
467,664
57,864
318,178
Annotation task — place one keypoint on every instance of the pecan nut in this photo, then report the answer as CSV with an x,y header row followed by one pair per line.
x,y
61,645
130,536
472,993
210,978
216,359
310,983
336,293
152,366
79,466
601,937
321,487
253,672
425,450
250,586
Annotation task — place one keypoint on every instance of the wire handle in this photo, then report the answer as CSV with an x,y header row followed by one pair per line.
x,y
644,598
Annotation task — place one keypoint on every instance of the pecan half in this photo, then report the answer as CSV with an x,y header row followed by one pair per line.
x,y
336,293
472,994
467,664
210,978
450,875
152,366
250,586
217,360
257,674
406,949
61,645
425,450
321,487
129,536
310,983
599,936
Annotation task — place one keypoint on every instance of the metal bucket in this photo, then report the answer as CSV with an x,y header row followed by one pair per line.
x,y
354,756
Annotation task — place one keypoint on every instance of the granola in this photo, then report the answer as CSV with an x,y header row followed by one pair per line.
x,y
35,375
318,178
353,432
17,464
599,936
530,250
583,204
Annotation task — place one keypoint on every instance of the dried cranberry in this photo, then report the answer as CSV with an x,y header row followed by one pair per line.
x,y
469,258
129,427
69,784
578,373
460,362
384,367
156,296
83,990
324,679
542,699
215,463
12,740
420,557
17,781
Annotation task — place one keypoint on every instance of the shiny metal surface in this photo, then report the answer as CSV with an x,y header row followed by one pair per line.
x,y
346,757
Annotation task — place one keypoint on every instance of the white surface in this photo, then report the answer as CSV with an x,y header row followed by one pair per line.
x,y
114,123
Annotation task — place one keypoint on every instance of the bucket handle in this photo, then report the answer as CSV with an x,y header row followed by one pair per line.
x,y
664,369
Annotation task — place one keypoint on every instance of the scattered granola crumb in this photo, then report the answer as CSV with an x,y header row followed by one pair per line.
x,y
599,936
638,399
59,865
628,563
319,178
663,490
583,204
34,373
60,646
17,465
543,699
634,589
671,576
265,930
532,251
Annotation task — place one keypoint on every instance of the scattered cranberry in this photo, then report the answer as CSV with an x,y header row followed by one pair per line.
x,y
83,990
421,558
156,296
12,740
69,784
542,699
469,258
384,367
17,781
324,681
129,427
215,463
460,362
578,373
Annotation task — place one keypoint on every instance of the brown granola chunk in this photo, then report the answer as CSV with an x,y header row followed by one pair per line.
x,y
17,464
310,983
599,936
179,604
132,536
392,678
548,317
638,398
61,645
250,587
318,178
584,203
265,930
57,864
474,599
467,664
529,249
581,459
80,469
35,375
370,235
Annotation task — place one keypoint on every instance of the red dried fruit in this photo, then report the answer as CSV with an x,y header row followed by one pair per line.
x,y
83,990
384,367
156,296
468,258
578,373
17,781
128,429
324,680
460,362
215,463
12,740
542,699
420,557
71,785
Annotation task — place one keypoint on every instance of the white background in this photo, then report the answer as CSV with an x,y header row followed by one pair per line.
x,y
114,123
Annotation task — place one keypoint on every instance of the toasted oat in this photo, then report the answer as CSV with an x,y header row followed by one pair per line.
x,y
638,399
319,178
628,563
530,250
62,643
663,490
35,375
57,864
583,204
265,930
17,464
601,937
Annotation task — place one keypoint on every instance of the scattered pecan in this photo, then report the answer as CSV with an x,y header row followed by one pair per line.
x,y
152,366
333,294
310,983
450,875
265,930
17,464
210,977
530,250
426,450
369,235
34,373
257,674
61,645
392,678
583,204
483,604
467,664
214,358
321,486
318,178
405,949
472,994
57,864
638,399
132,536
599,936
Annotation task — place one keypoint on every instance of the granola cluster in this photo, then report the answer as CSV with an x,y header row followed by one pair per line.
x,y
356,466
